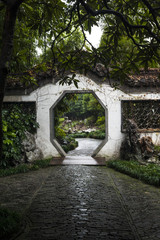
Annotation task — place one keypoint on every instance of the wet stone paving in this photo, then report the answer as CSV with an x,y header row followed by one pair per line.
x,y
82,202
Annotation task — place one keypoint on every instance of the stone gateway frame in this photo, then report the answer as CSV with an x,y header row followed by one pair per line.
x,y
52,131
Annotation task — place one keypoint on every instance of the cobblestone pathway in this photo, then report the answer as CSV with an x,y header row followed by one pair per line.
x,y
83,202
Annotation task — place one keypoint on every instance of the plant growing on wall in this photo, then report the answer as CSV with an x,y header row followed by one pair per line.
x,y
16,121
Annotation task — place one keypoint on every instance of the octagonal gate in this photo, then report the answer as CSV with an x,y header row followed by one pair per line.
x,y
52,115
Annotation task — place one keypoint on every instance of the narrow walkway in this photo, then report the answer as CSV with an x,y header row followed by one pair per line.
x,y
82,154
86,147
82,202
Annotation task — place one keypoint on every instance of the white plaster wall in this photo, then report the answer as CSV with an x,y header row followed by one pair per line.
x,y
155,137
46,96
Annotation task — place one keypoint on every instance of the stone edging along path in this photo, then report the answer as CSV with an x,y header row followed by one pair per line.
x,y
82,202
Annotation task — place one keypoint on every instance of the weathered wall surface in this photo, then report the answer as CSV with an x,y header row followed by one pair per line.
x,y
47,95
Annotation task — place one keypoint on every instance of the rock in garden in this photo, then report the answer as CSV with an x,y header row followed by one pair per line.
x,y
147,147
29,142
130,148
31,151
35,155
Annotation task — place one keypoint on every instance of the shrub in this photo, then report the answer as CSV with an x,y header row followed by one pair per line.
x,y
60,133
16,121
23,168
148,173
69,143
90,120
79,135
9,223
65,148
157,148
100,121
97,134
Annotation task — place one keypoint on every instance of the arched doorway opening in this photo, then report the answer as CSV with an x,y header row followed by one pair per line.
x,y
85,120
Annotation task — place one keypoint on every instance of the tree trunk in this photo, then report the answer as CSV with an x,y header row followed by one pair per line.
x,y
6,51
3,75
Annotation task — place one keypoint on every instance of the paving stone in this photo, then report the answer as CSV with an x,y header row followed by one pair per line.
x,y
83,202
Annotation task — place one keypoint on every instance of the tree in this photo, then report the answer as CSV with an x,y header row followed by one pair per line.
x,y
131,38
135,20
6,49
85,105
66,43
41,14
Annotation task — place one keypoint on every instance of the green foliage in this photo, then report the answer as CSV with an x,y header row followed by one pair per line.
x,y
148,173
36,26
85,106
59,133
78,106
91,120
57,27
99,134
101,123
9,223
127,51
100,120
59,111
130,40
24,168
69,80
157,148
16,121
42,163
69,41
68,143
79,135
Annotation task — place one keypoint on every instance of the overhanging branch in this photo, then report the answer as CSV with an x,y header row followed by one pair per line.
x,y
152,11
108,11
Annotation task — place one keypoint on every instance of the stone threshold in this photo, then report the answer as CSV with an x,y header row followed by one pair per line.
x,y
79,160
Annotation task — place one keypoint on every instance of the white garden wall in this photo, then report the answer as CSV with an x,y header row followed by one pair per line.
x,y
47,95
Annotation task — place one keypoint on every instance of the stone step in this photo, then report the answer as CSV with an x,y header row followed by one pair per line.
x,y
78,160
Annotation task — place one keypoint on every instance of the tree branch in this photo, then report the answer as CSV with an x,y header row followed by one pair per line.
x,y
121,16
63,30
152,12
105,4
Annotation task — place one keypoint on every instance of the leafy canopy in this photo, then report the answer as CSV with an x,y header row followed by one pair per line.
x,y
131,34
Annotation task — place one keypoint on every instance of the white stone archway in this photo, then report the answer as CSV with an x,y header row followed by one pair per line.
x,y
52,135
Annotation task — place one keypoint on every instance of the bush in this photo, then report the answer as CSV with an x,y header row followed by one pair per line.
x,y
15,123
97,134
90,120
60,133
9,223
69,143
100,121
148,173
157,148
79,135
23,168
